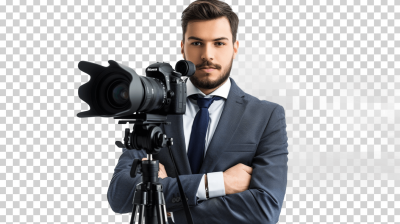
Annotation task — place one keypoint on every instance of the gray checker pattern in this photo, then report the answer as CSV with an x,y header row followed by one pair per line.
x,y
333,65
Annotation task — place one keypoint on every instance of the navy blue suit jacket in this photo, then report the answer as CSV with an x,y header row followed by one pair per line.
x,y
250,131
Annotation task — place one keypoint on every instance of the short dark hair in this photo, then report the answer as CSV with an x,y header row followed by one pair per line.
x,y
207,10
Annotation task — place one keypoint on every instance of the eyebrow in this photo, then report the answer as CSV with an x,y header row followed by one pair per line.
x,y
196,38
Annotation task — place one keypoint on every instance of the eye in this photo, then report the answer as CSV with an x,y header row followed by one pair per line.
x,y
194,43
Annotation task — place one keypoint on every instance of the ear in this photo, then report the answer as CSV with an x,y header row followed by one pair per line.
x,y
182,50
235,48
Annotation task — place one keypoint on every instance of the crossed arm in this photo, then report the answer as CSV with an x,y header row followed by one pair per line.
x,y
261,203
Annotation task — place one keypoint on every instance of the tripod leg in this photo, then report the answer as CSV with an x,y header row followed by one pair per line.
x,y
162,215
159,217
165,213
141,214
134,213
161,208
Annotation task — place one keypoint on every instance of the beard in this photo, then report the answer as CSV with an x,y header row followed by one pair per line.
x,y
205,83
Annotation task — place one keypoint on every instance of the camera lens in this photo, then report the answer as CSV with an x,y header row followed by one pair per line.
x,y
154,94
118,93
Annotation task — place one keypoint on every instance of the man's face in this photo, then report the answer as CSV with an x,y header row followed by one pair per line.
x,y
202,48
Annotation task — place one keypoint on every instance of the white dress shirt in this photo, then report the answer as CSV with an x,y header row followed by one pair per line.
x,y
216,186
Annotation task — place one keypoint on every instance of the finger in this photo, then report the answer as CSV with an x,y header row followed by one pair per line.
x,y
144,159
248,169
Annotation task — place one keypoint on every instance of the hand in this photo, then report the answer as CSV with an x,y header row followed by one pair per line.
x,y
237,178
161,171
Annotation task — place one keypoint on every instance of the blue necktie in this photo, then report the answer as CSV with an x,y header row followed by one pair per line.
x,y
199,130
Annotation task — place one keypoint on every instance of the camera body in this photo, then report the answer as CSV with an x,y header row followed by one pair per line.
x,y
174,99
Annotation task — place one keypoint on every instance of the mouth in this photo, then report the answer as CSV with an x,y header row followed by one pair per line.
x,y
208,70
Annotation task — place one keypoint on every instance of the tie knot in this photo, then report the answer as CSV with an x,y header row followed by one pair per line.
x,y
204,102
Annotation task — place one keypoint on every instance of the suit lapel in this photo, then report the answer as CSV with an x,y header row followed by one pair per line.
x,y
229,121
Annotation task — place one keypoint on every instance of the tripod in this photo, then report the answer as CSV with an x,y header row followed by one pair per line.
x,y
148,198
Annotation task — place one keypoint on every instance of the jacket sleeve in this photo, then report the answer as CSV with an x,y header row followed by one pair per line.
x,y
122,186
262,202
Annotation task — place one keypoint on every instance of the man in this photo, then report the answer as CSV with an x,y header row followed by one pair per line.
x,y
230,147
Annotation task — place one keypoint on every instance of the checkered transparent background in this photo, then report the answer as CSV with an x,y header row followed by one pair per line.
x,y
333,65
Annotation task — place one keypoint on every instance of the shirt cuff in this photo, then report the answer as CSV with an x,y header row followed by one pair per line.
x,y
201,191
216,185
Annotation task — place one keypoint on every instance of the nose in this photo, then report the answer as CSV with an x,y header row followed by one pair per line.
x,y
208,52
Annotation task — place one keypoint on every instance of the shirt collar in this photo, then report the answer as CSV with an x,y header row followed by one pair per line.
x,y
222,91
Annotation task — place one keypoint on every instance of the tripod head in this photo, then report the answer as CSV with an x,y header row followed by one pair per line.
x,y
146,133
